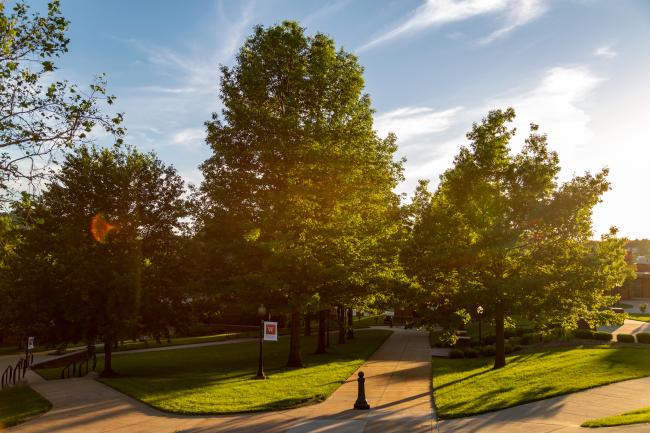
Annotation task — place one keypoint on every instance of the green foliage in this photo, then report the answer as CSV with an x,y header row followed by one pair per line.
x,y
19,404
501,232
470,386
296,162
456,353
105,227
583,333
40,115
643,337
625,338
603,336
470,352
488,350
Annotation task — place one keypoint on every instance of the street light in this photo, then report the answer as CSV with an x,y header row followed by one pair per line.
x,y
479,311
261,312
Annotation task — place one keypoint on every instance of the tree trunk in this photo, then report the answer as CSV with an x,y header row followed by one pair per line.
x,y
340,313
108,359
500,342
322,332
350,325
307,324
294,344
327,322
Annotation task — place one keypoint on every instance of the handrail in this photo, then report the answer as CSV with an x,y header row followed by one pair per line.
x,y
77,370
15,373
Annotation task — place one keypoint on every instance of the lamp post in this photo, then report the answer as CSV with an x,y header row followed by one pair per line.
x,y
261,312
479,311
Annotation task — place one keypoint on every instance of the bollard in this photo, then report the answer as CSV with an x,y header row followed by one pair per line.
x,y
361,402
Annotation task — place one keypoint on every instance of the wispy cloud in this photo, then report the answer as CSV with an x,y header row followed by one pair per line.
x,y
440,12
605,51
556,104
188,137
519,13
410,122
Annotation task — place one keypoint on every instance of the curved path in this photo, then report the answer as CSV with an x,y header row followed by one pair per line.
x,y
398,388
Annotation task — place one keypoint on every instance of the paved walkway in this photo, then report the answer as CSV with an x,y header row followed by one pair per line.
x,y
629,327
398,389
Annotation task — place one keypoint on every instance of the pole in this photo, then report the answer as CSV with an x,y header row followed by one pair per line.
x,y
260,366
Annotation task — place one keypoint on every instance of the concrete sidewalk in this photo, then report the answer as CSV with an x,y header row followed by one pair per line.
x,y
398,390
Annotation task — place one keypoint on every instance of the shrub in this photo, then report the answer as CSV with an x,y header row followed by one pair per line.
x,y
583,333
643,307
456,354
603,336
489,339
515,340
510,332
517,347
445,338
552,335
488,350
470,353
625,338
531,338
643,337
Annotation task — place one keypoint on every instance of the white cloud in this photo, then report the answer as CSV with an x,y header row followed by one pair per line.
x,y
519,13
439,12
410,122
605,51
188,137
556,105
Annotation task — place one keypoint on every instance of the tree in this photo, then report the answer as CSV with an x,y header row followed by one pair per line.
x,y
299,188
108,218
40,115
501,232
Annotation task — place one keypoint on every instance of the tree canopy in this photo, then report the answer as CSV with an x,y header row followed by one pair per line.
x,y
40,115
299,182
500,231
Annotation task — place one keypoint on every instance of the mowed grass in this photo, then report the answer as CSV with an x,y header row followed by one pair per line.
x,y
463,387
639,316
19,403
220,379
633,417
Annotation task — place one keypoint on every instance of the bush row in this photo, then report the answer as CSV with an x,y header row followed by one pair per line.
x,y
488,350
591,335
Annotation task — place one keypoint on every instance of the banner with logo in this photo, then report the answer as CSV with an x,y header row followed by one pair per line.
x,y
270,331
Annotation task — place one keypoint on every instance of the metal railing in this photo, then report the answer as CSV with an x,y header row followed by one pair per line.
x,y
78,365
15,373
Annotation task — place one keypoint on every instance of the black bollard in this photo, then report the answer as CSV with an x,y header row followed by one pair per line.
x,y
361,402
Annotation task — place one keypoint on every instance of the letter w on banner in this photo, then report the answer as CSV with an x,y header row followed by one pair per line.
x,y
270,331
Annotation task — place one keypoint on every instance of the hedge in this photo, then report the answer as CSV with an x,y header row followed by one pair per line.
x,y
625,338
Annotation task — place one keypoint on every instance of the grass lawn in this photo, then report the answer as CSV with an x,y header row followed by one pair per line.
x,y
639,316
19,403
634,417
624,306
469,386
219,379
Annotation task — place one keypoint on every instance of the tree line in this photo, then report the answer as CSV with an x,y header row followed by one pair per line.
x,y
297,208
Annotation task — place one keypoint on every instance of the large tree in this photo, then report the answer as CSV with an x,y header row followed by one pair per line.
x,y
40,115
500,231
298,192
99,232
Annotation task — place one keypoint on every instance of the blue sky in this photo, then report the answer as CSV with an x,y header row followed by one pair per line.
x,y
579,68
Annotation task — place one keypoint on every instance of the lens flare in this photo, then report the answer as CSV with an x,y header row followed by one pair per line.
x,y
100,228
